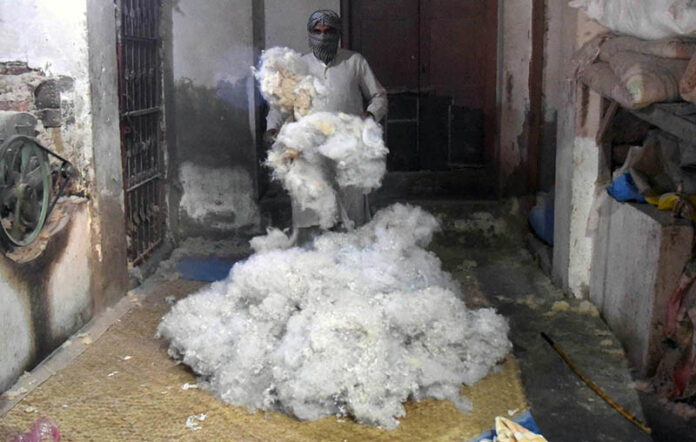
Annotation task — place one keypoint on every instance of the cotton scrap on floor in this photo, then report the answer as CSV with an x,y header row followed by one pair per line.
x,y
354,326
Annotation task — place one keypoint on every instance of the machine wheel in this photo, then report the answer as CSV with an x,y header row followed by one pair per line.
x,y
25,190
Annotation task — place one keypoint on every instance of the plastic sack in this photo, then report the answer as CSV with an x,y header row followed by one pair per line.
x,y
687,85
541,217
649,20
673,47
636,80
42,430
509,431
624,189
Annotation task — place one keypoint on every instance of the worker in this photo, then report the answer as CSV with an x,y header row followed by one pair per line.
x,y
350,83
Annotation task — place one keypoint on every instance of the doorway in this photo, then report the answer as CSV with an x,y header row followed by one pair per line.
x,y
438,61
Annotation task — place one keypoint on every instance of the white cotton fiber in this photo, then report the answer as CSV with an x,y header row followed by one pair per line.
x,y
329,150
356,326
316,153
273,239
286,84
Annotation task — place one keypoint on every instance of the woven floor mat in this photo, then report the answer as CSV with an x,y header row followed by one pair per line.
x,y
124,387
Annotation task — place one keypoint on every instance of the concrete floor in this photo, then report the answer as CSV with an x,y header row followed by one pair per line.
x,y
495,268
482,246
563,406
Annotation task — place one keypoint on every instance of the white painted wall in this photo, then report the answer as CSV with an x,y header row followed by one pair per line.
x,y
583,175
48,34
52,35
212,41
16,334
286,22
217,193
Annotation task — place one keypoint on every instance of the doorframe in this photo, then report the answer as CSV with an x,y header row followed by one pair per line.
x,y
536,83
346,19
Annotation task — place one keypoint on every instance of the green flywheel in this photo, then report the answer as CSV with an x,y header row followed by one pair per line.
x,y
25,190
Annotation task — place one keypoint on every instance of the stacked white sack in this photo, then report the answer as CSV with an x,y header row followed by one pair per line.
x,y
356,326
332,150
649,20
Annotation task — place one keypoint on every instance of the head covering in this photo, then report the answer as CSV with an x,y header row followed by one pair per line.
x,y
324,17
324,46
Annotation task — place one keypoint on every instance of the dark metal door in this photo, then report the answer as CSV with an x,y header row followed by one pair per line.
x,y
438,60
141,125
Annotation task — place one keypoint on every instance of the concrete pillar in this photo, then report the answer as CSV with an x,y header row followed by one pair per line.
x,y
109,263
577,166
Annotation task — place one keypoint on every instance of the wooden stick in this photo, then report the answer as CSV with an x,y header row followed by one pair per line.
x,y
607,119
595,388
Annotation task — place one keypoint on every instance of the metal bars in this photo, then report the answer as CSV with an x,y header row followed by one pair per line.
x,y
141,113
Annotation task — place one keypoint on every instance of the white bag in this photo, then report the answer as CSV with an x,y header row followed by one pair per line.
x,y
646,19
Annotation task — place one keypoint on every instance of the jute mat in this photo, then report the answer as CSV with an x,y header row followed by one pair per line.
x,y
124,387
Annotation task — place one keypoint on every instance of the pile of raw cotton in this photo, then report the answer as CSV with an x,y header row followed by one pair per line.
x,y
354,326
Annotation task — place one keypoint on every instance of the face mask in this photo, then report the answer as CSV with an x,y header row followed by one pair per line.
x,y
324,46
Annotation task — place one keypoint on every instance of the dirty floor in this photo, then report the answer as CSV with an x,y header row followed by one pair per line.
x,y
482,249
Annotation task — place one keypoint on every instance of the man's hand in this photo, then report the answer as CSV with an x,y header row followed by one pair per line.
x,y
269,137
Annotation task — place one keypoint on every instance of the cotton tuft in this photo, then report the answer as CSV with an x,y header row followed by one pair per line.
x,y
286,84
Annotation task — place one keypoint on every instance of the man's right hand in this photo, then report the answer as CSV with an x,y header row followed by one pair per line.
x,y
269,137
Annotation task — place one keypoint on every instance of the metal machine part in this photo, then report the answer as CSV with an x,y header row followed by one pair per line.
x,y
27,193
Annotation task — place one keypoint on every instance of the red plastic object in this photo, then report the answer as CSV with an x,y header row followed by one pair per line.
x,y
42,430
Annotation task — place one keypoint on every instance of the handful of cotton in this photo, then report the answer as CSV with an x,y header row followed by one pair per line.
x,y
354,327
324,151
286,84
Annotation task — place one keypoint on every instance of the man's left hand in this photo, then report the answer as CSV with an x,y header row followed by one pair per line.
x,y
365,115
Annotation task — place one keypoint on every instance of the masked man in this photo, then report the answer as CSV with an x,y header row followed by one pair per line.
x,y
351,85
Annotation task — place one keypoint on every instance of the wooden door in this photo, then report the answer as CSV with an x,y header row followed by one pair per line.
x,y
437,59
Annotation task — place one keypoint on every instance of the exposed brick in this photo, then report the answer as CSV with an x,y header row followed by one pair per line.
x,y
14,68
15,105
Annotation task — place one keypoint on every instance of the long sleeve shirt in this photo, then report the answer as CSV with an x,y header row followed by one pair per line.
x,y
349,80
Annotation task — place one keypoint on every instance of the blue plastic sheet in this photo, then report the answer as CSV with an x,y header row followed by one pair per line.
x,y
204,269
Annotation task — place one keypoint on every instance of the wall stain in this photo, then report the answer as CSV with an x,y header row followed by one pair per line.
x,y
509,81
211,129
31,279
108,270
